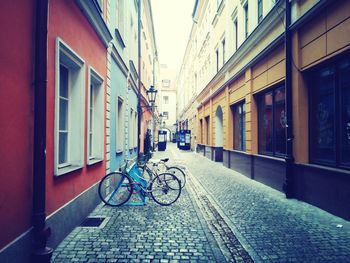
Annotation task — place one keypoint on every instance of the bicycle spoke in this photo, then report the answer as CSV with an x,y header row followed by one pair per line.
x,y
115,189
165,189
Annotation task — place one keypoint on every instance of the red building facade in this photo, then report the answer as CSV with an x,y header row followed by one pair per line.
x,y
77,42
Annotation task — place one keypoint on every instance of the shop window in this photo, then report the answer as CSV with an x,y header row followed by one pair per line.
x,y
330,114
272,122
207,132
239,126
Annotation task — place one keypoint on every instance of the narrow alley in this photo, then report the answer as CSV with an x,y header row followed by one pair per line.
x,y
220,216
251,98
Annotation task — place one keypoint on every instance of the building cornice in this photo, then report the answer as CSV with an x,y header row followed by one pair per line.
x,y
93,15
262,54
309,14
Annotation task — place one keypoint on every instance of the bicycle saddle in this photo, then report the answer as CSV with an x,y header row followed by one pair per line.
x,y
158,160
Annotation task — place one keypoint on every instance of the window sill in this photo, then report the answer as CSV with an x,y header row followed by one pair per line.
x,y
68,169
94,161
275,158
119,151
328,168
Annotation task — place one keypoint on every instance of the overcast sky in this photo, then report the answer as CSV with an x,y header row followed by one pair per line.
x,y
172,25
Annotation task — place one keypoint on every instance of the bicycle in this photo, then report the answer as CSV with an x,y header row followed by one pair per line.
x,y
116,188
160,166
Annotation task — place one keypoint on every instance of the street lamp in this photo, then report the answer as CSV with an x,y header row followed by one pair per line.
x,y
151,95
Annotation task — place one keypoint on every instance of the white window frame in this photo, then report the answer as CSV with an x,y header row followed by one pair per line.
x,y
165,115
96,128
223,48
76,95
217,59
136,130
120,16
165,99
119,138
131,128
235,30
246,19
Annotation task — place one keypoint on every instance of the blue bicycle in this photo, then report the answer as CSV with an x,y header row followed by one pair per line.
x,y
116,188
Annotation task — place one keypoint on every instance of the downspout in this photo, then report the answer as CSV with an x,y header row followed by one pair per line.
x,y
289,183
139,78
40,252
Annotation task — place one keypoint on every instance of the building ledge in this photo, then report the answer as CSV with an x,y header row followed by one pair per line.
x,y
93,14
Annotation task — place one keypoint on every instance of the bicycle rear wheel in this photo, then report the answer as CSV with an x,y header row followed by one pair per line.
x,y
115,189
165,189
180,174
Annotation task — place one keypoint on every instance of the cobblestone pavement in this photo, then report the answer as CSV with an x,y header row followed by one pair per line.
x,y
150,233
270,227
220,216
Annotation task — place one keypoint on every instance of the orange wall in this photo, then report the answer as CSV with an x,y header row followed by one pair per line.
x,y
76,32
16,116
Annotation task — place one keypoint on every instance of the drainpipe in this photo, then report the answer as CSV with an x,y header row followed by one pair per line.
x,y
288,186
40,252
139,80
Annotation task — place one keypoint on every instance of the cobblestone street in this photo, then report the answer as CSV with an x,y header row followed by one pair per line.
x,y
220,216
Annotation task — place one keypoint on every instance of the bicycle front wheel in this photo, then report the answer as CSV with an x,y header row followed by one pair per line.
x,y
165,189
115,189
180,174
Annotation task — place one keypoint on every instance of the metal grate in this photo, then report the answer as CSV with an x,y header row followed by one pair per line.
x,y
93,222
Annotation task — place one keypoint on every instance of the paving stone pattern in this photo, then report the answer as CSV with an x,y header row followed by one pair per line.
x,y
150,233
273,228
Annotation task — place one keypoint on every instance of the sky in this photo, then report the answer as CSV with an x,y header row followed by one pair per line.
x,y
172,25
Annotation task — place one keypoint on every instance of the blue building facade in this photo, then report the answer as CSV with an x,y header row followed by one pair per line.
x,y
122,98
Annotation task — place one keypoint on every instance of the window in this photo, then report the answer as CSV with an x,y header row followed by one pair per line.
x,y
165,99
131,129
260,10
235,33
165,115
330,114
96,117
120,16
136,134
120,125
217,60
207,132
69,111
166,83
223,51
272,122
246,20
239,126
201,141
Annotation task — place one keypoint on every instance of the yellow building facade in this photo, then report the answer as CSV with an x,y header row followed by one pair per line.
x,y
241,116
